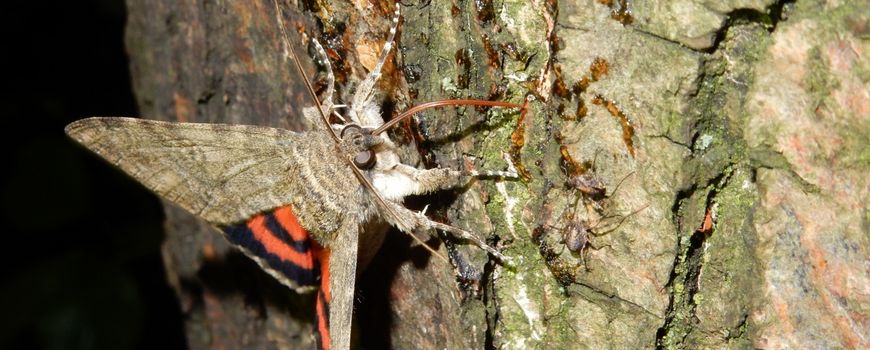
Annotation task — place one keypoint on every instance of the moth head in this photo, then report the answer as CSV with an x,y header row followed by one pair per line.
x,y
360,143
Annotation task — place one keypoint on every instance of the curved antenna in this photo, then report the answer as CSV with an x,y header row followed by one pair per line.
x,y
433,104
289,49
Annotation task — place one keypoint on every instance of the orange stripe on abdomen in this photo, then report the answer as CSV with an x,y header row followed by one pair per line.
x,y
275,246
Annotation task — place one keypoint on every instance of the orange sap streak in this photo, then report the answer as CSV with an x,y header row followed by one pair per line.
x,y
288,220
277,247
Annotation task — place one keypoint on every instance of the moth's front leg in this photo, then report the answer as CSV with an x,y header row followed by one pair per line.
x,y
409,221
402,180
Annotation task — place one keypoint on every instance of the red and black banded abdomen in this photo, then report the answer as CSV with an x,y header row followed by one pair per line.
x,y
280,244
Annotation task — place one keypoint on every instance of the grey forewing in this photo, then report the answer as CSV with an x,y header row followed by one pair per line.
x,y
228,173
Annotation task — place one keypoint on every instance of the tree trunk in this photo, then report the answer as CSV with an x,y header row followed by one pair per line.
x,y
731,140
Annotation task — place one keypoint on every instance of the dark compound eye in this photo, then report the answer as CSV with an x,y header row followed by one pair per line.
x,y
349,127
365,160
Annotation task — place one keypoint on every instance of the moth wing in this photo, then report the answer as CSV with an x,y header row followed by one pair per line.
x,y
341,276
222,173
277,242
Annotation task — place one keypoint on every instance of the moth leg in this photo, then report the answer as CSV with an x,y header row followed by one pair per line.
x,y
326,103
342,279
491,173
365,94
416,181
402,180
409,221
458,232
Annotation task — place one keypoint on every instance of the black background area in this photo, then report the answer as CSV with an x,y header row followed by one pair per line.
x,y
81,267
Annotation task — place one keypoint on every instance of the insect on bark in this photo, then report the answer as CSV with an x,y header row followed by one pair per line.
x,y
576,233
298,204
589,190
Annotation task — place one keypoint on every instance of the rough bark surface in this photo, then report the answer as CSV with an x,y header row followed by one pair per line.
x,y
737,134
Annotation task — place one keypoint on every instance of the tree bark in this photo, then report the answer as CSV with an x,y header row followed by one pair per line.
x,y
732,139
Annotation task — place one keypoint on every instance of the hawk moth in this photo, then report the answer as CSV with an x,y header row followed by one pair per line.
x,y
298,204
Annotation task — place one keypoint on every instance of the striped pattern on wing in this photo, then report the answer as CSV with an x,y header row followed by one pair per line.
x,y
284,249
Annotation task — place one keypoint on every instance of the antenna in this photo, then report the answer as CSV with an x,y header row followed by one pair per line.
x,y
289,50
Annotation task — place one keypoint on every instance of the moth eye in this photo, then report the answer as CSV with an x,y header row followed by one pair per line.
x,y
365,159
348,128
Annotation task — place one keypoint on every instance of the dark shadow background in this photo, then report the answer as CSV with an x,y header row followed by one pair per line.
x,y
81,264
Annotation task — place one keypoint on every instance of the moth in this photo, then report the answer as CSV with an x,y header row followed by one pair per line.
x,y
298,204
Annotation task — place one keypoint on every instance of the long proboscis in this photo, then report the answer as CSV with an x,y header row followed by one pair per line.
x,y
457,102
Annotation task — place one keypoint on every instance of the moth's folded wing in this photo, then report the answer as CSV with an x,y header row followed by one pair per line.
x,y
222,173
340,273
